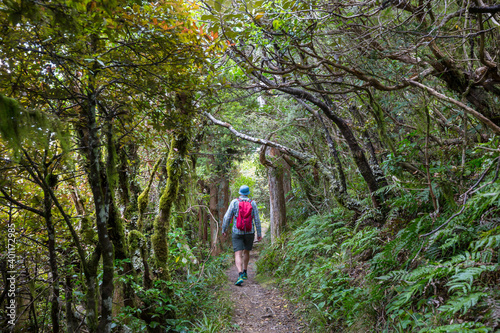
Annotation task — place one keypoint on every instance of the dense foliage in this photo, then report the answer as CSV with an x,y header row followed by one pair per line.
x,y
367,131
389,279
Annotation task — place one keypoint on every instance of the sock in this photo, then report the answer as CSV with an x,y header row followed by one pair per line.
x,y
241,273
244,271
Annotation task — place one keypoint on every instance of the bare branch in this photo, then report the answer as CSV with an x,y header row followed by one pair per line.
x,y
491,9
468,109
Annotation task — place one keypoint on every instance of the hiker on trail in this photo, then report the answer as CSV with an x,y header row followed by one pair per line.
x,y
243,211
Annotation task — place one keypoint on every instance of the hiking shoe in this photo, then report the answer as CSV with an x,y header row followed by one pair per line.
x,y
239,282
244,276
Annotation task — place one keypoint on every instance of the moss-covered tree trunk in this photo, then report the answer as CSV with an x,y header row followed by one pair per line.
x,y
181,203
91,302
176,157
72,322
91,144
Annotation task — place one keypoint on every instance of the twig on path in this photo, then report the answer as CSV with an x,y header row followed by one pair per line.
x,y
249,298
269,315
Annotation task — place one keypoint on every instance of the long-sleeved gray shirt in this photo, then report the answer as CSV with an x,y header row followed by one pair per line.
x,y
232,214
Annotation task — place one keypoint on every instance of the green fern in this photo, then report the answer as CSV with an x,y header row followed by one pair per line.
x,y
464,279
462,303
361,241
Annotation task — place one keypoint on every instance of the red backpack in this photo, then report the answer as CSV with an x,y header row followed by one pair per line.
x,y
244,219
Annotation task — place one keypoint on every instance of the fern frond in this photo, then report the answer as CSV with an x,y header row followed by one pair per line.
x,y
462,303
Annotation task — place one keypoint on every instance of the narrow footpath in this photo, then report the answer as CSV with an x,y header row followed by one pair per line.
x,y
260,309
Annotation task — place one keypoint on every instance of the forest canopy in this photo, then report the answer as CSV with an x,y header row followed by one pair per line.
x,y
368,133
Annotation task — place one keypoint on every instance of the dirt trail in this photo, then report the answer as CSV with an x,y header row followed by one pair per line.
x,y
266,310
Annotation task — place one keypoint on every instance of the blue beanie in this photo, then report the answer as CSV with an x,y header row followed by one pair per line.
x,y
244,190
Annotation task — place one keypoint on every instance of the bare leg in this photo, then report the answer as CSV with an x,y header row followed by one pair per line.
x,y
246,259
238,260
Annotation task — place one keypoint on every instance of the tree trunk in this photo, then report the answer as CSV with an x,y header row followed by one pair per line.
x,y
71,320
202,214
176,158
214,225
181,137
122,191
54,299
277,197
181,202
133,170
276,191
202,224
287,181
223,204
101,193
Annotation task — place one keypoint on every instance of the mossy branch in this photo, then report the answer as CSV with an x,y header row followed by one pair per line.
x,y
142,200
178,150
136,240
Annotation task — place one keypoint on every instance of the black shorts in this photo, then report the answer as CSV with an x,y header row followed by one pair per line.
x,y
243,242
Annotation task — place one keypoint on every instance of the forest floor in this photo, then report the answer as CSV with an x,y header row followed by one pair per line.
x,y
260,308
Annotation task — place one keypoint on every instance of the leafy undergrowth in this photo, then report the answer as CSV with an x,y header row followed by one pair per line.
x,y
199,299
391,279
211,307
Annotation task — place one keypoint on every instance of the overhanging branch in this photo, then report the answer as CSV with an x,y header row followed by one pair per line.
x,y
489,9
467,109
289,151
341,196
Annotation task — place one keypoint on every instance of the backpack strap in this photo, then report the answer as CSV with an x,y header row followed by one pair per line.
x,y
239,201
253,222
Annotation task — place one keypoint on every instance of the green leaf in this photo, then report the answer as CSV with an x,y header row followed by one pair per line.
x,y
218,5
